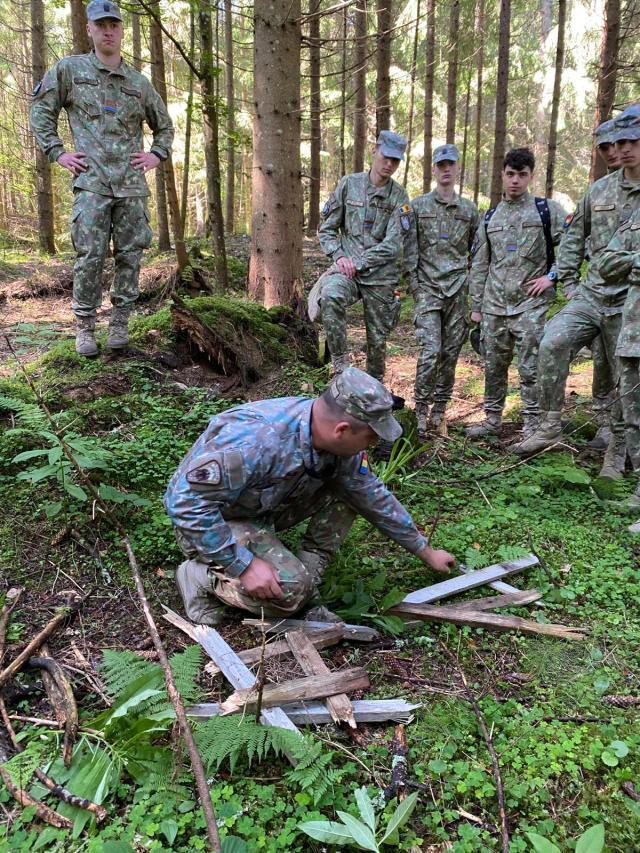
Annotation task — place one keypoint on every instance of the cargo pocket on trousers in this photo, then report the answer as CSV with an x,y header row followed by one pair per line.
x,y
75,229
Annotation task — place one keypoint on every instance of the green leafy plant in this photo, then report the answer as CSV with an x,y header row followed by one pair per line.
x,y
364,833
591,841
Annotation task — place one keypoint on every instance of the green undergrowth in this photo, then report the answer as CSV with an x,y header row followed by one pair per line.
x,y
564,750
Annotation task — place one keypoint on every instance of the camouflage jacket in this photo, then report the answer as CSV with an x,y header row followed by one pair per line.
x,y
258,457
437,251
106,108
510,251
620,261
367,224
606,205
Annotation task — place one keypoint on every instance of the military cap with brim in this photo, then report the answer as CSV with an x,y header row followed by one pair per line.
x,y
627,124
392,144
99,9
603,134
366,399
445,152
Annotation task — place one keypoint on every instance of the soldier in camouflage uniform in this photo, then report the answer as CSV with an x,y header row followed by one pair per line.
x,y
596,305
106,102
263,467
362,229
511,285
436,262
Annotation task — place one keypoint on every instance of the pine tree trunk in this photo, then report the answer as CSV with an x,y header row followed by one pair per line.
x,y
81,40
162,215
360,86
184,197
607,76
343,92
383,65
465,137
412,94
275,266
427,170
313,219
136,41
479,31
215,218
500,133
452,74
555,103
44,189
230,98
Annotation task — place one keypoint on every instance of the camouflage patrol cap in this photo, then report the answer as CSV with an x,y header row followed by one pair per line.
x,y
392,144
627,124
99,9
366,399
603,134
445,152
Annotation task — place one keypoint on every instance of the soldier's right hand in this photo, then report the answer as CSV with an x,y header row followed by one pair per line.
x,y
74,162
261,580
476,317
346,267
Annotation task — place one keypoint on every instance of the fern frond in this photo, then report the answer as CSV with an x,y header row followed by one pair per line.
x,y
312,771
231,737
512,552
121,669
186,667
23,765
28,415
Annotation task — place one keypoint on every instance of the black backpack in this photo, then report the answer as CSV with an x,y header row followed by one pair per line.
x,y
542,206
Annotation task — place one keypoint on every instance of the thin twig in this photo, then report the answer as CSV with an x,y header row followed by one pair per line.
x,y
11,600
260,679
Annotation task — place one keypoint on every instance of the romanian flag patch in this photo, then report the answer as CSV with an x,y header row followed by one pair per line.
x,y
364,464
568,220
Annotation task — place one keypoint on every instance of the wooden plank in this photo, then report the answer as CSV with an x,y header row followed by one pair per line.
x,y
359,633
311,663
308,713
234,670
490,621
297,690
470,580
280,648
492,602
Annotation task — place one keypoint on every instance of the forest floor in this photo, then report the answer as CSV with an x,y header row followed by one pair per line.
x,y
569,757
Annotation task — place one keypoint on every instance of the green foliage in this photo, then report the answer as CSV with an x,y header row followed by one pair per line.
x,y
233,738
591,841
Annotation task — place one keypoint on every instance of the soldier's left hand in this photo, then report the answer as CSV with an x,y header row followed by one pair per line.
x,y
440,561
538,285
144,160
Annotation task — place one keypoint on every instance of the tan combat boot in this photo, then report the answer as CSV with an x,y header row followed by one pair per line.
x,y
422,417
614,459
601,439
118,328
438,422
85,336
339,363
491,425
196,589
530,424
549,432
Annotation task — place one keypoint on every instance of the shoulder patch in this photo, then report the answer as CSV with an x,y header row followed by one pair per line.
x,y
405,208
329,204
36,90
364,464
568,220
223,469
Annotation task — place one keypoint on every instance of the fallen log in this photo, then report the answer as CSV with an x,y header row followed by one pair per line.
x,y
61,699
490,621
310,713
492,602
299,689
359,633
397,788
308,657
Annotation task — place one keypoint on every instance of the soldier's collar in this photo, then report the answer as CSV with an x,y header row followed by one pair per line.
x,y
454,199
317,463
521,200
119,69
385,189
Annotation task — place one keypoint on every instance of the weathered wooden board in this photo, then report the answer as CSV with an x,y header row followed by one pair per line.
x,y
359,633
311,663
470,580
297,690
492,602
308,713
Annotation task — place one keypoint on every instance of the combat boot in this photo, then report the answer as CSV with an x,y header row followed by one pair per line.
x,y
529,425
600,441
339,363
422,417
196,589
118,328
314,563
614,459
438,422
85,336
491,425
549,432
628,505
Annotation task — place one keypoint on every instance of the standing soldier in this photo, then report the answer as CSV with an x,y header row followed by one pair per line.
x,y
437,257
362,229
106,103
511,284
597,304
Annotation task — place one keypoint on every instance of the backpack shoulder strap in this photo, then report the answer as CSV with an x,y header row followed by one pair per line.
x,y
542,205
487,219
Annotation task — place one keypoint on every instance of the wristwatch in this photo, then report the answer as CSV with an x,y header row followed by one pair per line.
x,y
552,275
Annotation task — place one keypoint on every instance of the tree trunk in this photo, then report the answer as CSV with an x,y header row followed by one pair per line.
x,y
428,96
157,78
479,31
607,74
412,93
343,92
230,98
383,65
165,170
452,76
136,41
81,40
184,198
313,219
275,267
555,103
465,136
215,219
500,133
360,86
43,169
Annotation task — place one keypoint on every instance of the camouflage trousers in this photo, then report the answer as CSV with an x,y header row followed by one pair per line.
x,y
576,326
97,219
330,520
441,329
340,292
500,336
603,384
630,398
